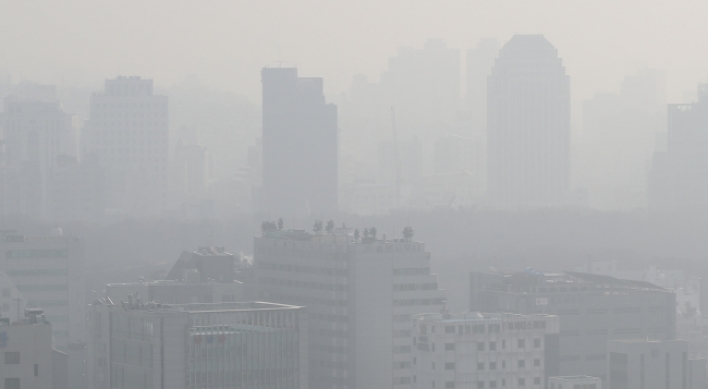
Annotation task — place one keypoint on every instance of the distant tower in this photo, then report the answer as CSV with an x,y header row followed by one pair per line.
x,y
127,134
528,124
300,145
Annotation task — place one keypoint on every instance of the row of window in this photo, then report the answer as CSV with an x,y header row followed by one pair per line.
x,y
303,284
491,384
302,269
415,271
481,346
414,287
417,302
618,331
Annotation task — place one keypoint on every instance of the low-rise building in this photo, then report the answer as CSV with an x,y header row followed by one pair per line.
x,y
474,350
205,346
652,364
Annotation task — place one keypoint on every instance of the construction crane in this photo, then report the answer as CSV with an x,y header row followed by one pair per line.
x,y
397,159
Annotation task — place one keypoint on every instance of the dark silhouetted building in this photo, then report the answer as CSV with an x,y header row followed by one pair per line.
x,y
300,145
528,124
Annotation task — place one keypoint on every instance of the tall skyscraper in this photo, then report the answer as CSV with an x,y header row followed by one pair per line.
x,y
679,174
360,296
35,132
528,124
300,144
128,133
480,61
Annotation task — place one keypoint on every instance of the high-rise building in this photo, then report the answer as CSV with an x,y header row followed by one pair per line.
x,y
300,145
528,124
652,364
49,273
480,61
360,296
474,350
128,133
197,346
592,309
679,172
35,132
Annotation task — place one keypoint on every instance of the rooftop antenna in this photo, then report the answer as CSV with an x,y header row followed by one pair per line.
x,y
397,161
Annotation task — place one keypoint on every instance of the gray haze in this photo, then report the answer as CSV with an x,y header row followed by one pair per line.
x,y
353,195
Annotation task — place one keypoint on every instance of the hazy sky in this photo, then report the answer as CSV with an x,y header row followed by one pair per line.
x,y
225,43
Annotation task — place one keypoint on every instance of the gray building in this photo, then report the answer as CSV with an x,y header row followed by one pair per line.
x,y
360,297
651,364
528,124
300,144
197,346
592,309
127,134
475,350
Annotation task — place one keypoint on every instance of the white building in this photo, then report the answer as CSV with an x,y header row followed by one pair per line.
x,y
475,351
575,382
128,133
197,346
360,296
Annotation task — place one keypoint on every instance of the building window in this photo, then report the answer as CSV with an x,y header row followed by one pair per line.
x,y
503,364
480,346
449,346
36,370
480,365
522,382
12,357
537,343
503,344
450,366
12,383
449,384
480,384
449,329
492,346
522,363
537,380
492,384
432,365
522,343
432,384
537,362
492,366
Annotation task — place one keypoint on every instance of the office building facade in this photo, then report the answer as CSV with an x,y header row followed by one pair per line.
x,y
300,145
360,297
592,310
197,346
474,350
651,364
528,124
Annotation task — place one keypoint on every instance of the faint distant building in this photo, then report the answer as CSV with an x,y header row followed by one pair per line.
x,y
127,133
197,346
360,297
400,167
300,144
480,61
619,137
12,304
574,382
528,124
592,309
190,170
475,350
652,364
35,132
76,191
678,176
